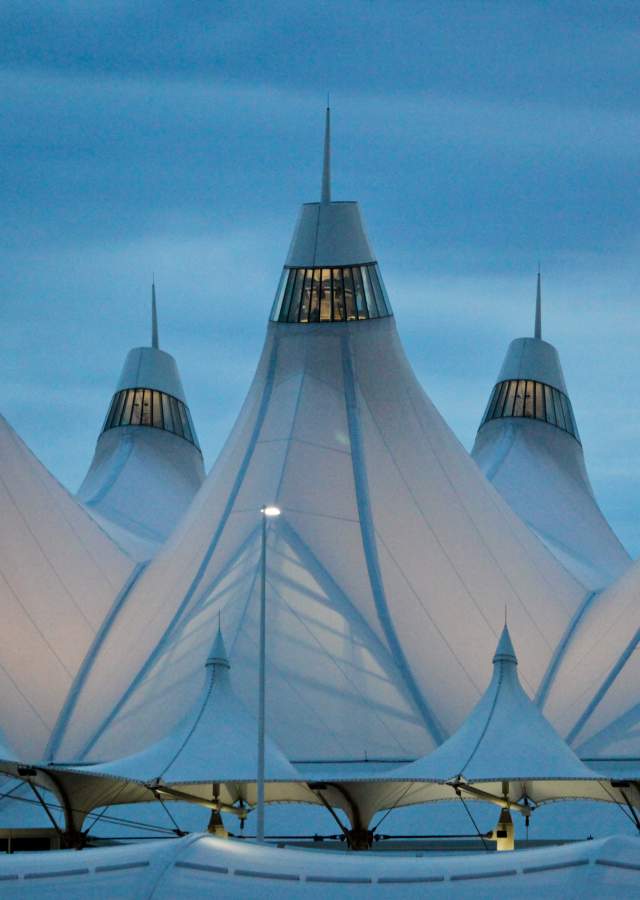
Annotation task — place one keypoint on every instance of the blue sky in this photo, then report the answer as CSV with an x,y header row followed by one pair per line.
x,y
181,138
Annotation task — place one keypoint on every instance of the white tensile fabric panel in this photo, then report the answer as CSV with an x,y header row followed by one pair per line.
x,y
328,676
424,569
597,677
178,571
59,576
140,484
539,470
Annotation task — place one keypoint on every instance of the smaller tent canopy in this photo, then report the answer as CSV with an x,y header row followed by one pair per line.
x,y
505,735
211,758
507,748
147,466
529,447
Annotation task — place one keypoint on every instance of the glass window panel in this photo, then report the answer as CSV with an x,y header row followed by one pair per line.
x,y
136,409
286,301
348,295
380,283
325,296
502,396
359,292
568,417
128,406
156,399
558,407
314,306
306,296
145,417
119,408
186,428
511,396
539,403
296,297
338,295
177,418
498,392
369,294
550,413
518,406
167,413
113,416
191,426
529,399
277,303
375,284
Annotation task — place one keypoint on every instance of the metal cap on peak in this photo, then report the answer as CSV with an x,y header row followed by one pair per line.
x,y
329,233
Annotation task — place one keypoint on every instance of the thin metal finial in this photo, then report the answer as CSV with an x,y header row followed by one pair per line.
x,y
154,315
505,615
325,195
538,329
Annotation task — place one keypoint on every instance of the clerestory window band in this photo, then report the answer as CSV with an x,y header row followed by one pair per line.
x,y
146,407
531,400
346,294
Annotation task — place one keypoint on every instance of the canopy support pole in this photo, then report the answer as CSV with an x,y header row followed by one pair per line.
x,y
43,804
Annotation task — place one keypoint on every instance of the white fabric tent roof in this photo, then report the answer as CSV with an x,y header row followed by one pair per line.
x,y
384,516
505,738
597,704
60,575
216,742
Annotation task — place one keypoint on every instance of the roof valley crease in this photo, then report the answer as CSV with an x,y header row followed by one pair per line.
x,y
384,516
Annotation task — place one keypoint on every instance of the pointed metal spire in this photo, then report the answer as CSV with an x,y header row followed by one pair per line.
x,y
504,650
325,196
538,330
154,316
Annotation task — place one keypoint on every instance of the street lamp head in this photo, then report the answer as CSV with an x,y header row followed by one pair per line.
x,y
270,511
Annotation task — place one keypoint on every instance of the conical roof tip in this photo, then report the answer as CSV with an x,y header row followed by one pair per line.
x,y
218,655
538,326
154,317
504,650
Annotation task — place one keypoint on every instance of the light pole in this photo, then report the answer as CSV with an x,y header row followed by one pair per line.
x,y
267,512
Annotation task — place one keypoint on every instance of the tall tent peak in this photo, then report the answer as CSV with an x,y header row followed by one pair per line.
x,y
325,193
538,327
504,650
154,316
218,655
330,273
